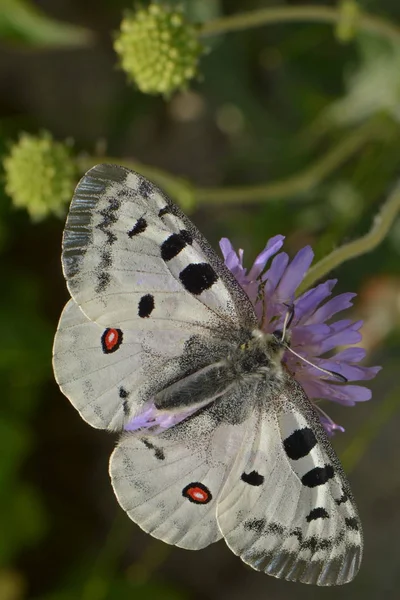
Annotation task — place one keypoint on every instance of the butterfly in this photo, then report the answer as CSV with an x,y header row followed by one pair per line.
x,y
218,440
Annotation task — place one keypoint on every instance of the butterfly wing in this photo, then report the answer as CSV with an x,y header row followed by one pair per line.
x,y
152,299
286,508
169,483
124,241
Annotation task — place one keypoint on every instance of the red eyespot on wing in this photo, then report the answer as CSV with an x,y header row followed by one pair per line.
x,y
197,492
111,340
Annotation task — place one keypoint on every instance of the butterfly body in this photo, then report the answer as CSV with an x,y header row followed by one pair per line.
x,y
257,358
160,343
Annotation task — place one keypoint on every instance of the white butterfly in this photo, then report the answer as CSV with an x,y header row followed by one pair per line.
x,y
157,332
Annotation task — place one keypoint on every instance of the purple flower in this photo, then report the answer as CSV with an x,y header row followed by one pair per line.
x,y
313,336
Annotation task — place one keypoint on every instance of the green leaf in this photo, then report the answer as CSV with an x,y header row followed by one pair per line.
x,y
22,23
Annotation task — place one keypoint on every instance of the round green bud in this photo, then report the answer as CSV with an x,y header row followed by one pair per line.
x,y
158,49
40,175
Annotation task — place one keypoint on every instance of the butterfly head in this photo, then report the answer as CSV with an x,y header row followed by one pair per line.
x,y
272,345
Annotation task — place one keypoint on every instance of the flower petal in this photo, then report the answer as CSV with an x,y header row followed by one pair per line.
x,y
347,394
306,304
274,274
351,372
294,274
341,333
329,425
352,355
232,260
272,247
151,417
308,336
330,308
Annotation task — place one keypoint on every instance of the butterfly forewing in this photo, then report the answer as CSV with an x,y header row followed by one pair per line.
x,y
129,254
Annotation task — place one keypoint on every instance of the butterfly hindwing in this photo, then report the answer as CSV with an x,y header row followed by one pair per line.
x,y
170,483
286,509
108,373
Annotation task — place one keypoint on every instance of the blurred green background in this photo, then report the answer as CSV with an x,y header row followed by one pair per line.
x,y
290,104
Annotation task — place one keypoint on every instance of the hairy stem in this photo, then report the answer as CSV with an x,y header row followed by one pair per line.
x,y
293,14
297,184
381,225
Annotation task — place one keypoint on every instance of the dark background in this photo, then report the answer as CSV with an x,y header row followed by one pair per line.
x,y
266,108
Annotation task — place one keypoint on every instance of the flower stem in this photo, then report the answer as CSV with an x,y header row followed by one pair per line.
x,y
283,14
381,225
297,184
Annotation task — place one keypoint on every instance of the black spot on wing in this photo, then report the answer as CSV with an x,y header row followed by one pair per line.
x,y
297,532
110,217
173,245
123,393
109,214
139,227
315,543
145,188
299,443
318,476
146,306
164,211
343,498
198,277
197,493
252,478
158,452
111,340
106,260
125,407
276,529
256,525
317,513
103,280
352,523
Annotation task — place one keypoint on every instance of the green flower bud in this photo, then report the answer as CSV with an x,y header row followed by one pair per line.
x,y
40,175
349,15
158,49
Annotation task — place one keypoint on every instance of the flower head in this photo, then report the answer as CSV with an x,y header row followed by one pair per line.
x,y
40,175
158,49
313,336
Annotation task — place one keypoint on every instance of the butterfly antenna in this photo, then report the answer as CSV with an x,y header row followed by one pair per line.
x,y
288,320
337,376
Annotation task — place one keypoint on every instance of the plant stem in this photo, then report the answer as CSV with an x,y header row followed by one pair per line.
x,y
381,225
283,14
297,184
